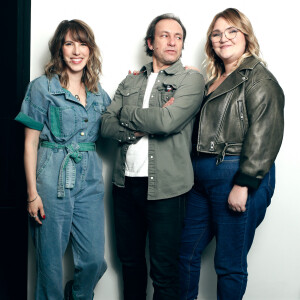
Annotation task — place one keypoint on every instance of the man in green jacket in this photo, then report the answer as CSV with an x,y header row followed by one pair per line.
x,y
152,117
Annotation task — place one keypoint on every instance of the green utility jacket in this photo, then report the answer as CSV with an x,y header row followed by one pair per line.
x,y
170,171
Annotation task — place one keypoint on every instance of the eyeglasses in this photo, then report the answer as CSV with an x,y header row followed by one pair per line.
x,y
230,33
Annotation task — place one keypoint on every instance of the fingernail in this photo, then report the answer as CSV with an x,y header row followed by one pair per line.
x,y
44,217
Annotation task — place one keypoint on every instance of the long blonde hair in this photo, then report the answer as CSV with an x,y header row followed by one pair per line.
x,y
80,32
214,65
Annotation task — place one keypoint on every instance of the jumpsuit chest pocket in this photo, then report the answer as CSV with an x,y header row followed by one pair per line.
x,y
94,113
130,96
63,121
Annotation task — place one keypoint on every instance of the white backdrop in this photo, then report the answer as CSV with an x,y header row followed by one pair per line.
x,y
119,26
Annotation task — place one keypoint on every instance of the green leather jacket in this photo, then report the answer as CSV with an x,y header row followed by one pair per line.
x,y
244,116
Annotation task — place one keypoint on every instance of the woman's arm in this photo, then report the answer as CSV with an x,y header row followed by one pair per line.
x,y
35,203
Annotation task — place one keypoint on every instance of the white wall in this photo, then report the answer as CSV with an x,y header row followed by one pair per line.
x,y
119,26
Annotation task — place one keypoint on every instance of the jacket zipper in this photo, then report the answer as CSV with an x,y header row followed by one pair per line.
x,y
241,113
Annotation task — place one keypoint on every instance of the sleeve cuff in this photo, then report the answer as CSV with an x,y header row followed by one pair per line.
x,y
29,122
127,136
246,180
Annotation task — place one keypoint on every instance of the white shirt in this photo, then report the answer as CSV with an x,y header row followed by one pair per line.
x,y
136,164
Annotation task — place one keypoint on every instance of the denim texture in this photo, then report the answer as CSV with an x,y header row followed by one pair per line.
x,y
208,216
77,213
135,216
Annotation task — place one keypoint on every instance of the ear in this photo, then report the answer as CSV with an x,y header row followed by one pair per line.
x,y
149,44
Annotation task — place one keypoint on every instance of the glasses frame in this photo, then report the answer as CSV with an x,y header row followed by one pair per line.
x,y
224,32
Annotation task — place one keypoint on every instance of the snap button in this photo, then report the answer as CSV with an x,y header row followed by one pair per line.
x,y
82,133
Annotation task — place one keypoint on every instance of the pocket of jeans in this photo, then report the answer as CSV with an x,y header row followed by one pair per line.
x,y
44,156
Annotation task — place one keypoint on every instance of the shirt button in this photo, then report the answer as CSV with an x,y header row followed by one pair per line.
x,y
82,133
243,78
129,137
158,80
86,120
152,96
152,135
151,177
127,94
151,156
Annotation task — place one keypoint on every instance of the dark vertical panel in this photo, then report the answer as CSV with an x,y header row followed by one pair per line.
x,y
13,215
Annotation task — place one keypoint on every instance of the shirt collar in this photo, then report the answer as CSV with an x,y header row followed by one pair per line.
x,y
173,69
55,88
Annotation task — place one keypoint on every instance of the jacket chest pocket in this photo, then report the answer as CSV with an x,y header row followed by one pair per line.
x,y
167,91
130,96
63,121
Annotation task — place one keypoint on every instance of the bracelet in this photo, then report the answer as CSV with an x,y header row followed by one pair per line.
x,y
32,200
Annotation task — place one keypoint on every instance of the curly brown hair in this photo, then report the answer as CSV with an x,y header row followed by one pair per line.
x,y
80,32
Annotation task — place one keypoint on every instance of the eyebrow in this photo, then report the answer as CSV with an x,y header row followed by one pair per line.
x,y
225,29
177,33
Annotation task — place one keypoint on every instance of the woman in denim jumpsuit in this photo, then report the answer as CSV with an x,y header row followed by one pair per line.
x,y
62,111
238,134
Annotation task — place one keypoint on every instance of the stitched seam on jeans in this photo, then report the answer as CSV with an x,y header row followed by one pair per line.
x,y
241,262
194,249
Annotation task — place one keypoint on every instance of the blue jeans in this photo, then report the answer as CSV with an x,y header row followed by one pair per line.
x,y
78,217
208,216
135,216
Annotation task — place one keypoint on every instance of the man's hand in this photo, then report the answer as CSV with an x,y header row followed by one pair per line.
x,y
171,101
139,134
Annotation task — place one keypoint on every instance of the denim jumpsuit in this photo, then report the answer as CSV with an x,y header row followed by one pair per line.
x,y
69,181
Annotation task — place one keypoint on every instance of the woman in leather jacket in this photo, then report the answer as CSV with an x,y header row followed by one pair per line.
x,y
236,139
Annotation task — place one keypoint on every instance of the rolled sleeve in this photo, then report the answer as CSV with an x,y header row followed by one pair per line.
x,y
34,107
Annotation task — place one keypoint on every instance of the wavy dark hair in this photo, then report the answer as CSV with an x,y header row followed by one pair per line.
x,y
151,30
215,66
82,33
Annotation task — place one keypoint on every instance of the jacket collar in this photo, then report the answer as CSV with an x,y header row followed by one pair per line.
x,y
173,69
236,78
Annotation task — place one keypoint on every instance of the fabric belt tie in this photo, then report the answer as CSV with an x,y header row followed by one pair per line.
x,y
73,156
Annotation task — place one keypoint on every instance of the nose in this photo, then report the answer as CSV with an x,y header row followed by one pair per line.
x,y
76,49
172,41
223,38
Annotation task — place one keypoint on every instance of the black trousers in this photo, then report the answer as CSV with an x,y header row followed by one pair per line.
x,y
135,217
